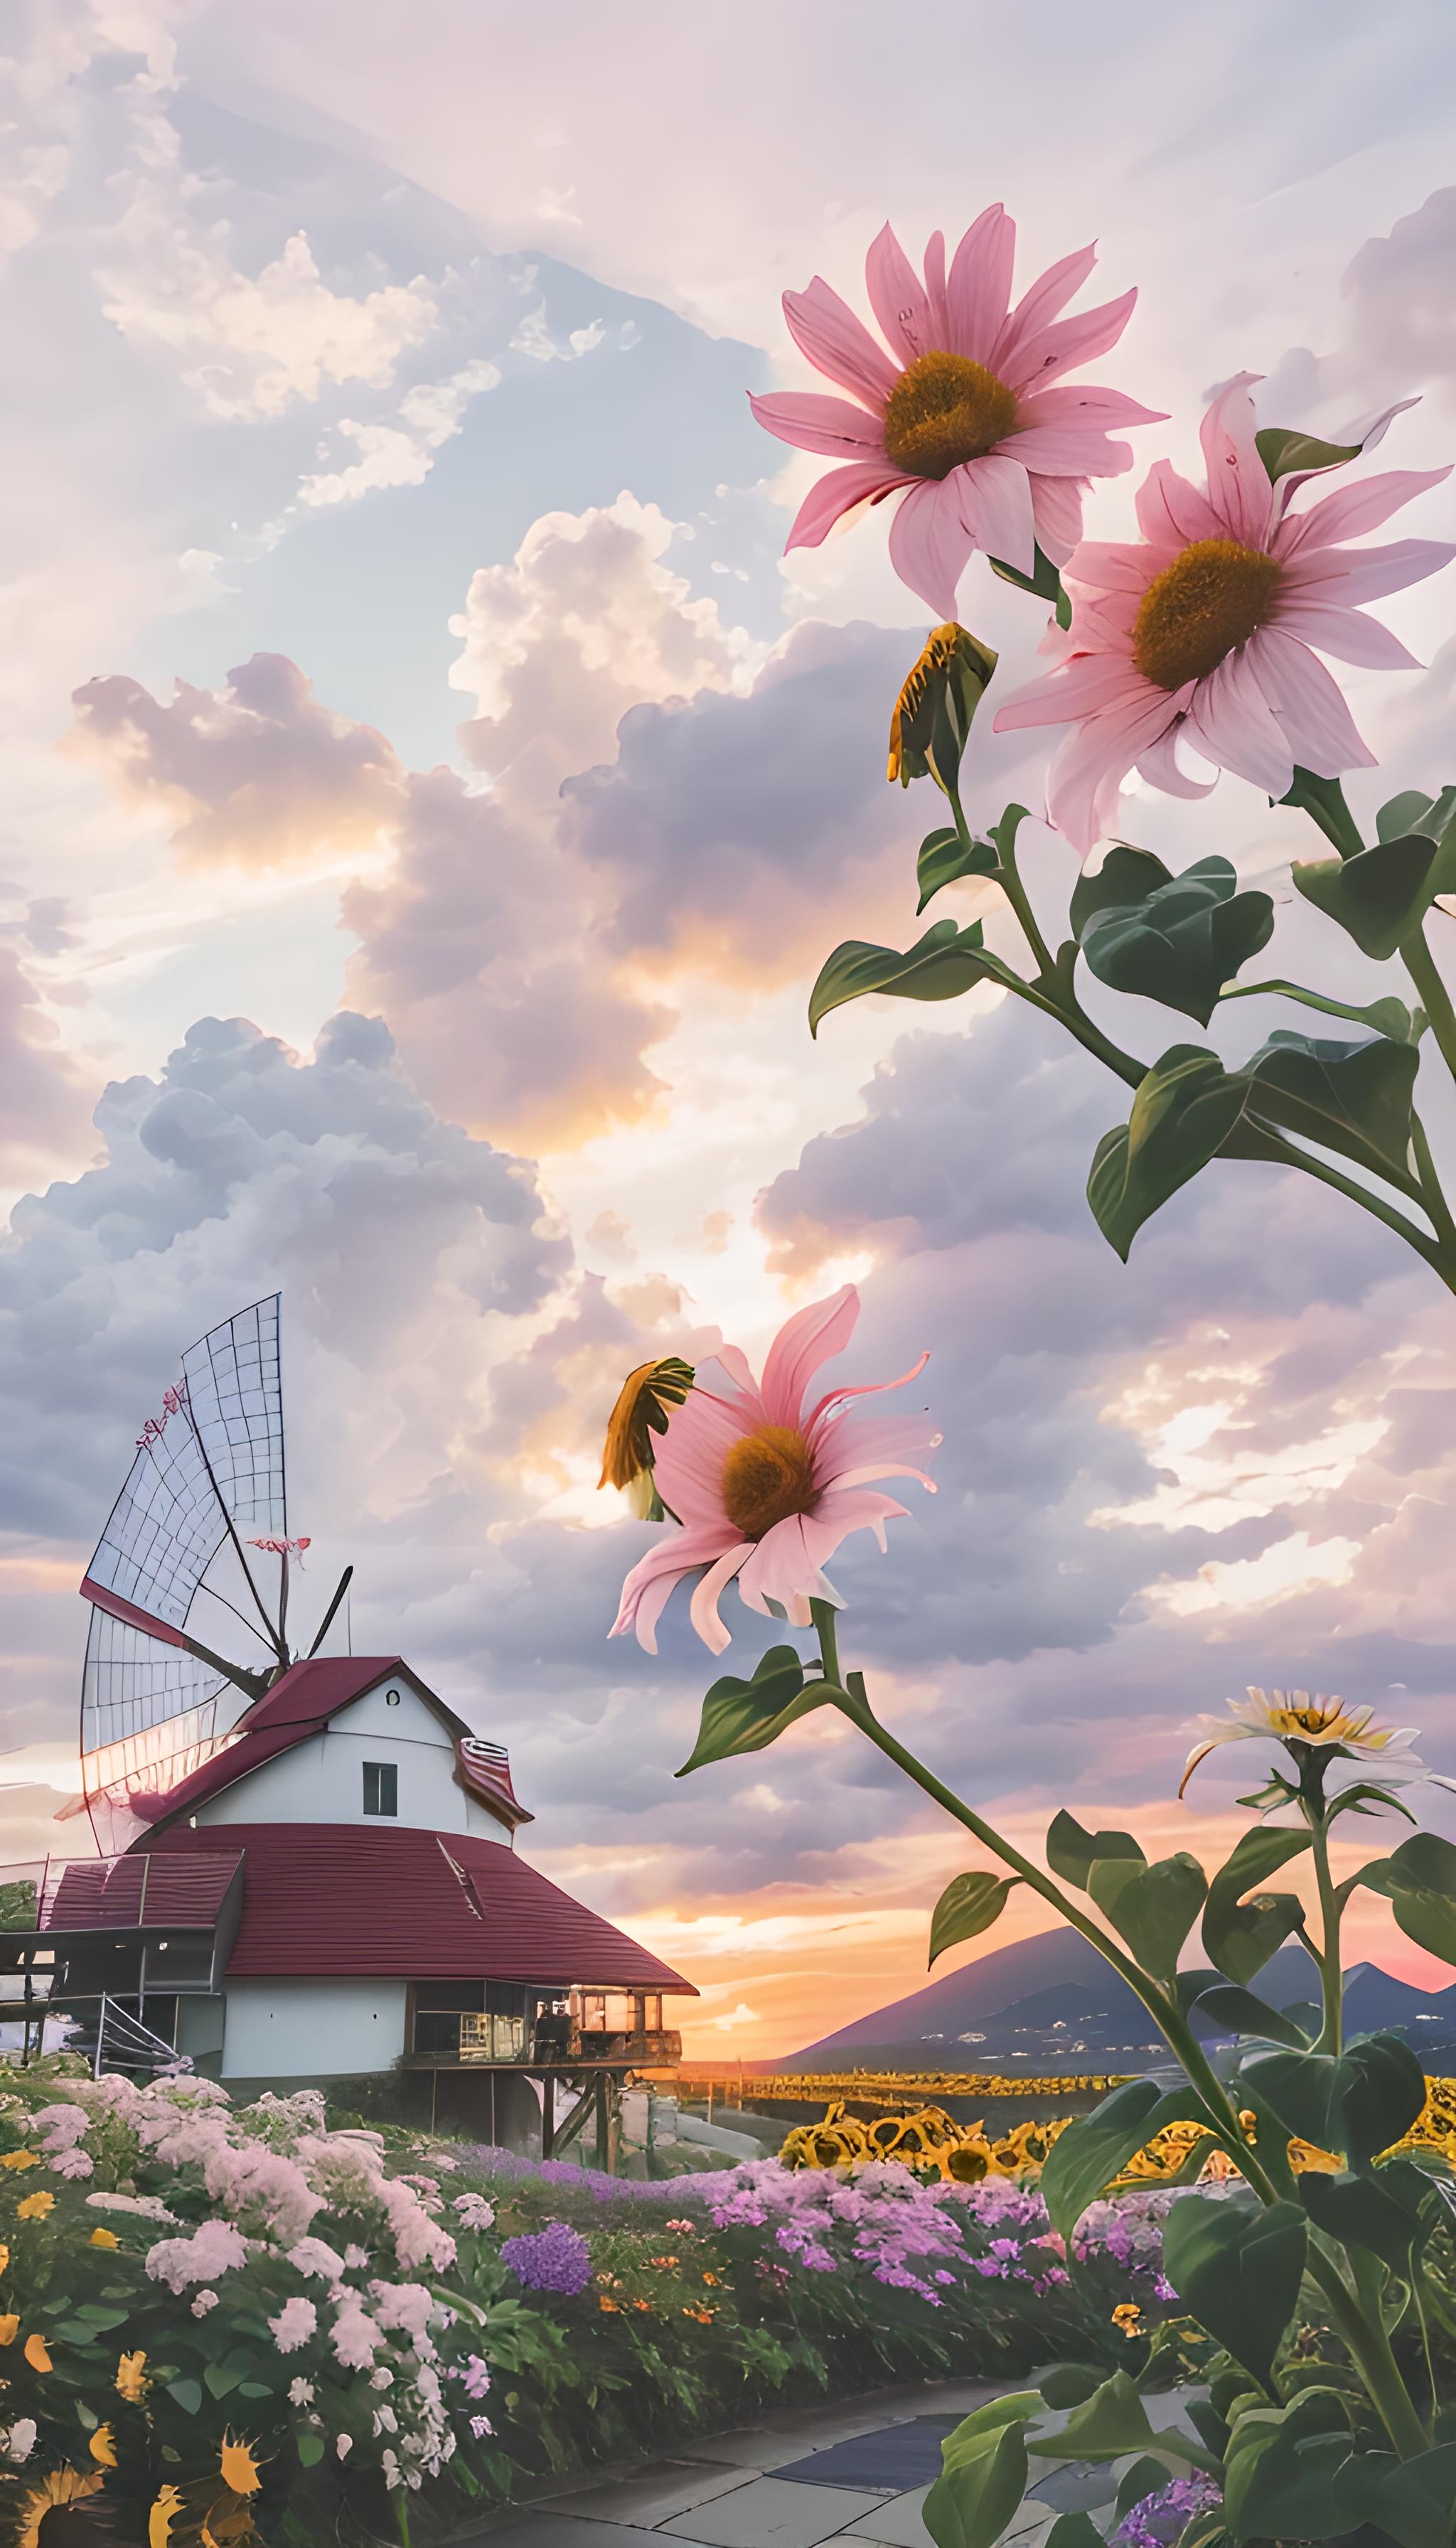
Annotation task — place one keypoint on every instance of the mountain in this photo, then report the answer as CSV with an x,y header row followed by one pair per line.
x,y
1052,2004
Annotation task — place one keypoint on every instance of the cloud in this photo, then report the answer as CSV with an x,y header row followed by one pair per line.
x,y
733,825
402,454
261,773
43,1106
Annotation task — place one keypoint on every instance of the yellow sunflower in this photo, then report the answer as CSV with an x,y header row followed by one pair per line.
x,y
237,2468
21,2158
132,2377
9,2327
37,2353
103,2448
104,2238
163,2514
36,2207
641,1411
63,2486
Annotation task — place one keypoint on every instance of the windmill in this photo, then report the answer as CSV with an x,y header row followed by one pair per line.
x,y
184,1637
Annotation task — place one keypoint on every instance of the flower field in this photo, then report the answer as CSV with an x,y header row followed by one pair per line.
x,y
232,2324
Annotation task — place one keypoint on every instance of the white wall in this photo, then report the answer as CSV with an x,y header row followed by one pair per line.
x,y
323,1780
290,2030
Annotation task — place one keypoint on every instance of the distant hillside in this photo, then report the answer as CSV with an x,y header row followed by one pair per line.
x,y
1052,2004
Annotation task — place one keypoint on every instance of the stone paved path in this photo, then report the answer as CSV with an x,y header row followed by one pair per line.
x,y
853,2473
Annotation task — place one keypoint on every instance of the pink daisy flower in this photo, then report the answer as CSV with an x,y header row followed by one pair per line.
x,y
1205,628
961,411
765,1488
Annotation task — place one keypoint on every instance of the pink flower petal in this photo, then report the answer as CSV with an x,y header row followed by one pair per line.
x,y
1363,575
1159,765
1056,511
803,1344
1113,566
689,1460
1101,411
783,1569
837,343
1171,513
1240,490
1038,305
996,505
839,1399
703,1610
934,286
1364,436
837,493
814,423
930,543
1048,351
652,1578
1311,706
1068,451
1086,687
852,1509
900,299
1346,511
853,1437
1347,634
978,286
1085,779
1233,724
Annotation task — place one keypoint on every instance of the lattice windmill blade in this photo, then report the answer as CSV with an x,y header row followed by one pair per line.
x,y
208,1469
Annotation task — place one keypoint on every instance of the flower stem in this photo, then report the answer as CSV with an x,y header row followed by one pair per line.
x,y
1331,1978
1009,877
1435,999
1431,1186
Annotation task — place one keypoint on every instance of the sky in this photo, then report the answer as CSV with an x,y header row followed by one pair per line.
x,y
430,792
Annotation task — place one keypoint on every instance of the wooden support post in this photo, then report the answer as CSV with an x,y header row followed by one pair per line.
x,y
548,2114
602,2122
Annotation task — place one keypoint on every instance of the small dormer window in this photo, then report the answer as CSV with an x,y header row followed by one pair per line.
x,y
381,1787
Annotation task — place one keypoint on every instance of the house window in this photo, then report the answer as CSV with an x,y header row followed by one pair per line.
x,y
381,1787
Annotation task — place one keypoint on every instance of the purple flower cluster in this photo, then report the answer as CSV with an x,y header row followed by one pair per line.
x,y
1160,2519
554,2259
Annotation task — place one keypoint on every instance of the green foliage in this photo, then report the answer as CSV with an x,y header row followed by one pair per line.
x,y
983,2475
1244,2013
18,1904
1072,1853
1356,2103
1044,582
1177,939
1419,1881
1151,1907
1240,1937
1183,1113
1378,896
969,1904
1279,2475
1386,2211
1324,799
1111,2422
747,1715
945,859
1354,1098
1086,2157
1239,2268
1283,450
943,965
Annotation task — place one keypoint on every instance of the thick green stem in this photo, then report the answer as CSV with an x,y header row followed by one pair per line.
x,y
1012,886
1331,1977
1435,999
1430,1187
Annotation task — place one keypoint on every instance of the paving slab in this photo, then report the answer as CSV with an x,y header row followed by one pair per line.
x,y
553,2528
889,2461
767,2513
657,2495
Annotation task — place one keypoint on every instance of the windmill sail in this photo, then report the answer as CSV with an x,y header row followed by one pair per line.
x,y
209,1471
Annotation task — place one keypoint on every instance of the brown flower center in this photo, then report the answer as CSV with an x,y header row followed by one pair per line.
x,y
943,409
1210,600
768,1476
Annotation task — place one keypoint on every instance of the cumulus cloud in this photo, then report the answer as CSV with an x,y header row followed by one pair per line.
x,y
402,454
42,1107
261,773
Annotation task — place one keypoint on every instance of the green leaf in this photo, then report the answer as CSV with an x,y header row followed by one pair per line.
x,y
1279,2465
1125,879
1072,1852
1410,2501
1388,1017
1245,2014
1153,1908
1075,2530
1430,1920
1401,814
980,2486
254,2389
1426,1864
188,2394
1380,2211
1354,1098
969,1904
943,965
1439,821
1282,450
310,2449
1111,2422
1240,1937
1182,941
1239,2270
1044,582
1185,1108
747,1715
1378,896
1324,798
1356,2104
945,858
1094,2149
220,2379
1067,2384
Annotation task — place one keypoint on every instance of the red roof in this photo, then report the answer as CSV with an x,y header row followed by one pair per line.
x,y
150,1892
331,1899
300,1704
